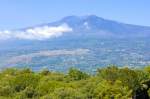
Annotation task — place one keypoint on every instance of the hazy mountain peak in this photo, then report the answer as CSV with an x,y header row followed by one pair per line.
x,y
94,17
86,17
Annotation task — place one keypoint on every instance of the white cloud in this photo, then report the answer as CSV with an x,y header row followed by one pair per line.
x,y
5,34
37,33
86,25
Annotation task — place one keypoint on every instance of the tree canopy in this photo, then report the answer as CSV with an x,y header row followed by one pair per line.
x,y
108,83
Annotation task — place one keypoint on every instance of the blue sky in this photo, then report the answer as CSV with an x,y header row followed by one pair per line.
x,y
23,13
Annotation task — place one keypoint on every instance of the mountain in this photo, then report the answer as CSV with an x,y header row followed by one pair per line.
x,y
94,25
85,42
76,27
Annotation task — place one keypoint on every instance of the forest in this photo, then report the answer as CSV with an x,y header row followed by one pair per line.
x,y
111,82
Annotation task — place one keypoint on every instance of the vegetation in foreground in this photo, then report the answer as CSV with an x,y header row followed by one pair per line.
x,y
107,83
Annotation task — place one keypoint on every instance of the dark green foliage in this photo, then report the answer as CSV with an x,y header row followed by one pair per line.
x,y
75,74
110,82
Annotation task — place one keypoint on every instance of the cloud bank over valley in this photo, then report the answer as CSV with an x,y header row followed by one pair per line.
x,y
36,33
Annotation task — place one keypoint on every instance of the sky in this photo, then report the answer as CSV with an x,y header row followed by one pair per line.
x,y
15,14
